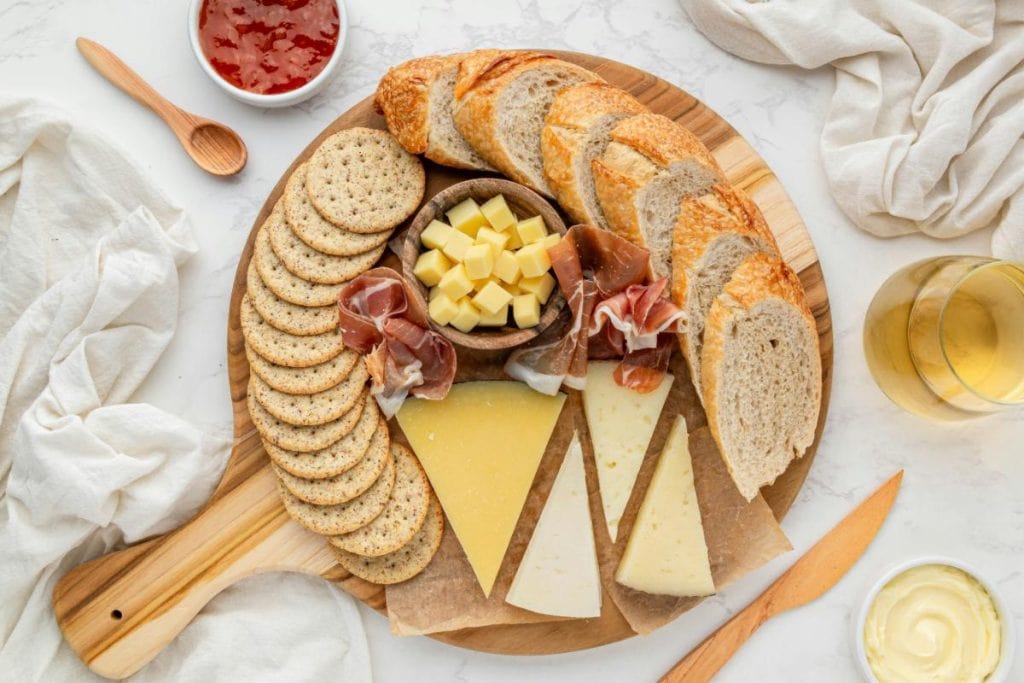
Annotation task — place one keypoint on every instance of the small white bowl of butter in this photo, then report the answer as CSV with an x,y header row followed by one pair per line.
x,y
934,619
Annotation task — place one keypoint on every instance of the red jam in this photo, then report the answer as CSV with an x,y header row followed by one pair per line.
x,y
268,46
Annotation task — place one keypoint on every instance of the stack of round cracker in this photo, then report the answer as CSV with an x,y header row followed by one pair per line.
x,y
338,472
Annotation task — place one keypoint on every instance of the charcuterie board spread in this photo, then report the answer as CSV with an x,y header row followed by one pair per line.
x,y
558,411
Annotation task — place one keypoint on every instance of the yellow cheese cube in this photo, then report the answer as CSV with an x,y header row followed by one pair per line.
x,y
532,230
442,309
551,240
497,319
466,217
498,214
496,240
541,287
506,267
533,260
526,310
513,240
467,318
434,293
430,266
456,245
455,283
491,298
479,261
436,234
512,289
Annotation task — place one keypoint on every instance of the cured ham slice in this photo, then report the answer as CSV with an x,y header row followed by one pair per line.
x,y
632,319
378,317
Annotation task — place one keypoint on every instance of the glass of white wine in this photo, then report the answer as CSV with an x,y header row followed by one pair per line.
x,y
944,337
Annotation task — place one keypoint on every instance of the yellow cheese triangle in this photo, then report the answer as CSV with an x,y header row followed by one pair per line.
x,y
481,446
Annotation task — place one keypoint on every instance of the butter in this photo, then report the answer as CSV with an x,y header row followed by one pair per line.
x,y
932,623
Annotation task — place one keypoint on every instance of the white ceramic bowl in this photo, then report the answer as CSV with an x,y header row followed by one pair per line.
x,y
1002,670
284,99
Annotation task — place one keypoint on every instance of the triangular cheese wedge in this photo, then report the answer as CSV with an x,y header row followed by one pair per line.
x,y
621,423
481,446
666,553
558,574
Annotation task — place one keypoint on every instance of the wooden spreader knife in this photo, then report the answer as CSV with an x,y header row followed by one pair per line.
x,y
809,578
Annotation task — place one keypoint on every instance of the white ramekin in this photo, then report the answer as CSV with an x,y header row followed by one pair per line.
x,y
284,99
1002,670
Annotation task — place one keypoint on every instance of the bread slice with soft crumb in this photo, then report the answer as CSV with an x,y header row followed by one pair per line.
x,y
416,100
648,167
761,372
714,234
501,101
575,133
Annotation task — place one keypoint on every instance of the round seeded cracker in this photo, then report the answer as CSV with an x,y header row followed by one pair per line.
x,y
301,321
302,439
283,283
309,380
312,409
338,457
286,349
362,180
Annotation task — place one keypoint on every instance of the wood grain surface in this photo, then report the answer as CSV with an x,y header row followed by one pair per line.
x,y
120,610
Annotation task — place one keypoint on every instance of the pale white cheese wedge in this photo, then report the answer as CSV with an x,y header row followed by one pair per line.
x,y
621,423
667,553
558,574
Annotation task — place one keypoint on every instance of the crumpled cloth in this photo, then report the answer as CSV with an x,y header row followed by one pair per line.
x,y
89,258
925,127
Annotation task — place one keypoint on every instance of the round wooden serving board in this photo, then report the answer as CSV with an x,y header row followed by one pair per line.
x,y
120,610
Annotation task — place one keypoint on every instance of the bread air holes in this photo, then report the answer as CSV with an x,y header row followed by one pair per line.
x,y
774,343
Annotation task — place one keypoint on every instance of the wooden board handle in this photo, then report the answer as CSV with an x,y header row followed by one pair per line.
x,y
120,610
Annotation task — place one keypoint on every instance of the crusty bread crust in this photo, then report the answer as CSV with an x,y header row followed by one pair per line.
x,y
403,97
566,132
483,75
662,140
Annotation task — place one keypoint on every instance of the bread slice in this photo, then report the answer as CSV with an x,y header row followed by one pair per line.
x,y
641,178
761,372
416,99
501,101
714,234
575,133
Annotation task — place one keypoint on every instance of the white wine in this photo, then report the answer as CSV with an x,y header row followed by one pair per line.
x,y
944,337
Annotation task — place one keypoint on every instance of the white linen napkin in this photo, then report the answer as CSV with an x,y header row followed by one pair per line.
x,y
925,127
89,252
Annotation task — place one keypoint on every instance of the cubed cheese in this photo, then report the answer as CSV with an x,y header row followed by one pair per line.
x,y
533,260
491,297
511,289
513,240
541,287
532,230
496,240
467,317
506,267
436,234
526,310
551,240
479,261
466,217
434,292
442,309
456,245
455,283
498,214
497,319
431,266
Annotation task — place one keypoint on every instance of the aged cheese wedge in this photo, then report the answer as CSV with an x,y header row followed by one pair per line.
x,y
481,446
621,423
666,553
558,574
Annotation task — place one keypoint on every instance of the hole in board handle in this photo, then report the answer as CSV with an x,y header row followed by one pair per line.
x,y
116,614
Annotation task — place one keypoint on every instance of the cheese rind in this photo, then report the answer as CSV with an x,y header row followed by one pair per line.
x,y
621,423
481,446
558,574
667,553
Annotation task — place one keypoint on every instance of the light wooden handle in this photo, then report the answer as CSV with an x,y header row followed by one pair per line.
x,y
148,593
710,656
120,74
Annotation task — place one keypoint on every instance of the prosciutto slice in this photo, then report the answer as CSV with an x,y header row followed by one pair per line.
x,y
379,318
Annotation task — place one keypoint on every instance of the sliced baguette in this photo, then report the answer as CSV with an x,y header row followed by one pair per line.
x,y
501,102
641,178
575,133
761,372
714,234
416,100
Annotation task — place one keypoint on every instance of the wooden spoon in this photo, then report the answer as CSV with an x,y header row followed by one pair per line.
x,y
213,146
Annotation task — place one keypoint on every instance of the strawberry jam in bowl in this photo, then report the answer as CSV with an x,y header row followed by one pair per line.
x,y
269,53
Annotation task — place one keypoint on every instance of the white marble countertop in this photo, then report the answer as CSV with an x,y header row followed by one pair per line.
x,y
963,494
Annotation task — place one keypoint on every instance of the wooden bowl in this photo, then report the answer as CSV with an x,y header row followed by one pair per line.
x,y
524,203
